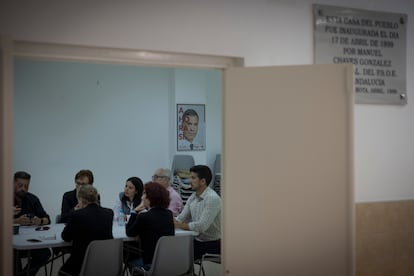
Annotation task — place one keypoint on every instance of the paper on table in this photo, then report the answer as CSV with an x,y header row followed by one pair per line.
x,y
48,237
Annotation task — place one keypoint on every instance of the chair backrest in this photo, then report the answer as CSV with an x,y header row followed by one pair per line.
x,y
173,256
217,164
103,258
181,162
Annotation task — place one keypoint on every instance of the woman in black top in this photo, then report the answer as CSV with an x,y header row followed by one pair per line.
x,y
151,220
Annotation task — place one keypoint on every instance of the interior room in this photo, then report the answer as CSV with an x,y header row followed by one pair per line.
x,y
101,115
263,34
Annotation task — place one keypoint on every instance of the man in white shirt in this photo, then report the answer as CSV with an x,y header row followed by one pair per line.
x,y
202,213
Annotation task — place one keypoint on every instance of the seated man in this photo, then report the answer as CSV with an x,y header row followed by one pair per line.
x,y
70,200
29,211
87,223
202,213
163,176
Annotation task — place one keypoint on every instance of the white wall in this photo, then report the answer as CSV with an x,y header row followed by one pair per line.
x,y
112,119
264,32
189,89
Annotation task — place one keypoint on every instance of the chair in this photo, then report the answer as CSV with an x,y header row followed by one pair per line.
x,y
217,175
58,252
18,270
58,218
217,164
130,247
173,256
103,258
215,258
181,161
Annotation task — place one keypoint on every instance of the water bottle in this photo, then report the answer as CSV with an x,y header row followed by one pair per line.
x,y
121,217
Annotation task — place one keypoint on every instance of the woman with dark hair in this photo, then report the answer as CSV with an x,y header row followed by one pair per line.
x,y
130,198
150,220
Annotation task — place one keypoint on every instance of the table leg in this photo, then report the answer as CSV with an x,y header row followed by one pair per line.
x,y
28,262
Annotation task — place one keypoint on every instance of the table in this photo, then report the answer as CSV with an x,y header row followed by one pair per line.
x,y
52,237
48,238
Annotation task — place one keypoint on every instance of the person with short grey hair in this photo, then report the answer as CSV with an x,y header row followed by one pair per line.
x,y
86,223
163,177
86,195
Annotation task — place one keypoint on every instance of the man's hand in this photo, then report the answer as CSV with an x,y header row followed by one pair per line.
x,y
16,210
36,221
78,206
181,225
23,220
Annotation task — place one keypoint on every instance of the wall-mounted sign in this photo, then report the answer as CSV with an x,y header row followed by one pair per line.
x,y
374,42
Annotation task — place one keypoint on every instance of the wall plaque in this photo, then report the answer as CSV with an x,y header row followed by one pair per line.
x,y
374,42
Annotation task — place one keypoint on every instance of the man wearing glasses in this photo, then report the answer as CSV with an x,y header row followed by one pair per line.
x,y
70,199
163,177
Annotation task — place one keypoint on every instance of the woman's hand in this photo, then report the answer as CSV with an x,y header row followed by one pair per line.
x,y
140,208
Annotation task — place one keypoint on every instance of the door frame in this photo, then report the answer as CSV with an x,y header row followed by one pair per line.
x,y
10,49
6,150
96,54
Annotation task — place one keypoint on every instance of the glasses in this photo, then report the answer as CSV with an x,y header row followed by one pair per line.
x,y
155,177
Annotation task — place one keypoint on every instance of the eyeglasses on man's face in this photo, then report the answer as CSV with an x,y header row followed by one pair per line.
x,y
83,180
155,177
80,182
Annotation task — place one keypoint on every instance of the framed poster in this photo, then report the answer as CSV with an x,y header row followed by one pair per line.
x,y
191,127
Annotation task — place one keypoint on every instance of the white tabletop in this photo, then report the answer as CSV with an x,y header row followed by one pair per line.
x,y
48,238
52,236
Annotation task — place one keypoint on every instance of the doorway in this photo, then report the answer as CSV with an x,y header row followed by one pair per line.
x,y
73,53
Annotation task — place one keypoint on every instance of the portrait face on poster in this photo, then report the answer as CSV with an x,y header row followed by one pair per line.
x,y
191,127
